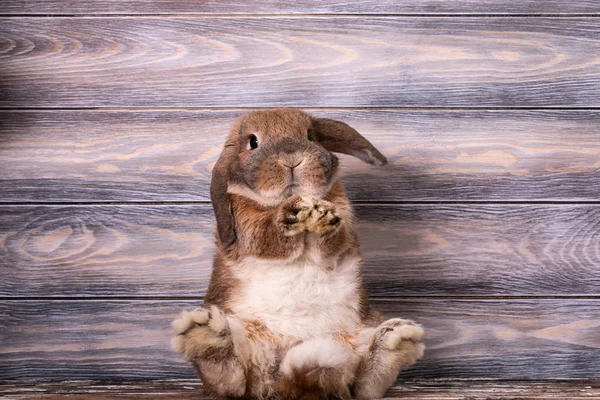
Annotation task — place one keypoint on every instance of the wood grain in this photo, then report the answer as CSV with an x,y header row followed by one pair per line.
x,y
304,62
184,389
466,339
434,155
412,250
106,251
504,7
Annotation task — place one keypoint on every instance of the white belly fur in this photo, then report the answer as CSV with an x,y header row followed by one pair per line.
x,y
300,299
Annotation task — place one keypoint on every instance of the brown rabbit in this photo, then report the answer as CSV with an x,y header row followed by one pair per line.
x,y
286,315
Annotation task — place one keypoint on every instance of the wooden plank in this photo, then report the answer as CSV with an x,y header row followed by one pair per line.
x,y
411,250
430,389
480,249
434,155
506,339
384,7
106,251
300,61
493,389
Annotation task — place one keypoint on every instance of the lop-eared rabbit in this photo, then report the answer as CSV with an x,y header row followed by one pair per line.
x,y
286,315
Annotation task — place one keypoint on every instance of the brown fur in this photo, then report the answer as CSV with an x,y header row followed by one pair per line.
x,y
258,331
276,196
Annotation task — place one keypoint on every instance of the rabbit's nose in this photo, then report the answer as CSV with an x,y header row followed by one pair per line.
x,y
291,164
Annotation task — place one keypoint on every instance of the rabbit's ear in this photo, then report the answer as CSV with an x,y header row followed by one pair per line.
x,y
339,137
219,197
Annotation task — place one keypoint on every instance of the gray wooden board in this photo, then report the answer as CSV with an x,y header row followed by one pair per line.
x,y
300,61
303,7
166,250
465,338
426,389
449,155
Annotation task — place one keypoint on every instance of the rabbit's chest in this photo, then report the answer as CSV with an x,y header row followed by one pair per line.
x,y
299,299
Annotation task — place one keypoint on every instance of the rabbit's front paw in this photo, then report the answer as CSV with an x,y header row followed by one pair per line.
x,y
295,211
323,217
302,213
202,333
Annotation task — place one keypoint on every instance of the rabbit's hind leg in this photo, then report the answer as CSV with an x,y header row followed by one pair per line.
x,y
205,337
390,348
319,368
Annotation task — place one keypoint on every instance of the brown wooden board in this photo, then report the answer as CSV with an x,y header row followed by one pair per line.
x,y
466,339
445,250
183,389
300,61
104,7
449,155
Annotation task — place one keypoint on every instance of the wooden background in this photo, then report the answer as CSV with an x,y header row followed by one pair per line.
x,y
485,227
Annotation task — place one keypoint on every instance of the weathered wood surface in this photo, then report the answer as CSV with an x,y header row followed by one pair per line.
x,y
104,7
466,339
174,83
106,251
434,155
483,250
302,62
185,389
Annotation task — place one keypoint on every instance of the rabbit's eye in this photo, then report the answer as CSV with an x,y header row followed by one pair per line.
x,y
253,142
309,134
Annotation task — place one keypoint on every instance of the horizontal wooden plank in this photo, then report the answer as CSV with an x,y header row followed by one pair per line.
x,y
184,389
106,251
434,155
465,339
408,250
104,7
304,62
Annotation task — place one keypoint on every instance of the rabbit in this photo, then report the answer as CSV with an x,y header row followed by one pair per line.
x,y
286,315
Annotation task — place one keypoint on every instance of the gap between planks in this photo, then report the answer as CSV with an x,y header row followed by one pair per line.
x,y
305,108
372,298
355,203
299,15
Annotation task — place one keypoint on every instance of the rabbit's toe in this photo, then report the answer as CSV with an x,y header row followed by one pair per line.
x,y
397,330
395,346
296,211
187,319
323,218
202,332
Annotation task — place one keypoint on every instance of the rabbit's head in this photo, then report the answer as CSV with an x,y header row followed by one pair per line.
x,y
271,155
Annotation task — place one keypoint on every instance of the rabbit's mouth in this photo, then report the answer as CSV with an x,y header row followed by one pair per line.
x,y
294,188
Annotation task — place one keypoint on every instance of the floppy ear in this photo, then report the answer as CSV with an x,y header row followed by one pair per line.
x,y
219,197
338,137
